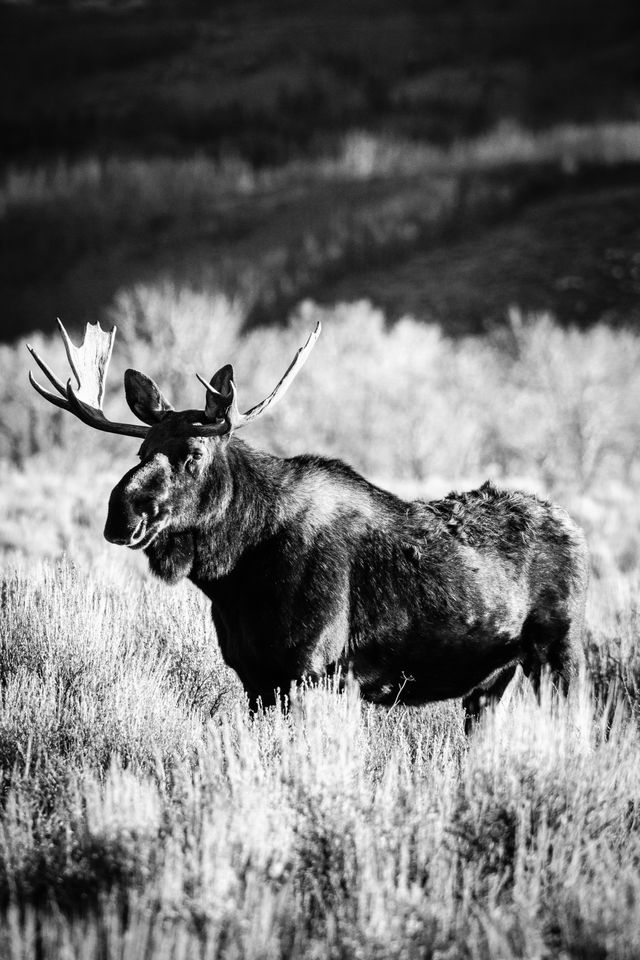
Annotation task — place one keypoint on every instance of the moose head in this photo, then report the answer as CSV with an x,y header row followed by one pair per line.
x,y
175,478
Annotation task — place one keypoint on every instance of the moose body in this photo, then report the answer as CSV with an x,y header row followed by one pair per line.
x,y
311,569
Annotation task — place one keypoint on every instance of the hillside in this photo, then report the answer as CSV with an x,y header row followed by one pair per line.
x,y
442,159
269,80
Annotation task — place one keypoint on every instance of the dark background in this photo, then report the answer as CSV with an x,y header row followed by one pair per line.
x,y
277,85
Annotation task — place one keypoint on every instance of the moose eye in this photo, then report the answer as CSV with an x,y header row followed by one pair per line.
x,y
196,454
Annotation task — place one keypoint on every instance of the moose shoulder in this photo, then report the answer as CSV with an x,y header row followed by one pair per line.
x,y
310,568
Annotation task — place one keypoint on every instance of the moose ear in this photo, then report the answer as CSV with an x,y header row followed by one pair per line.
x,y
144,397
221,380
221,383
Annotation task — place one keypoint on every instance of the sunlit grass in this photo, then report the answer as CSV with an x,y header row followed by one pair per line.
x,y
568,146
143,813
137,821
139,187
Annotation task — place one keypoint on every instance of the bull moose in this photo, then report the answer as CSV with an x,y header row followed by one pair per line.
x,y
311,569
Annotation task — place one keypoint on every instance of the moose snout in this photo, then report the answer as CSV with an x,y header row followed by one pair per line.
x,y
123,522
135,508
127,524
113,536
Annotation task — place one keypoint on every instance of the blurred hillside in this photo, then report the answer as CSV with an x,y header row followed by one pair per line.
x,y
268,79
446,160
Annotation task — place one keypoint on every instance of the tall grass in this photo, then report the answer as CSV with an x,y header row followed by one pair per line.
x,y
141,818
144,814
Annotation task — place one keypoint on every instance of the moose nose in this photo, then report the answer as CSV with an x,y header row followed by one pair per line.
x,y
124,528
114,538
123,517
137,502
119,528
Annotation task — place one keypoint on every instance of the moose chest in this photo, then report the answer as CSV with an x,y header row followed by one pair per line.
x,y
282,612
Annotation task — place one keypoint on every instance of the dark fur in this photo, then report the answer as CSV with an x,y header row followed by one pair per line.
x,y
310,568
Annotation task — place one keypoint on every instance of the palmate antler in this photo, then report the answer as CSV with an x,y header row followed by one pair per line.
x,y
89,363
224,403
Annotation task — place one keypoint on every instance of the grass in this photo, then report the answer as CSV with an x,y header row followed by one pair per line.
x,y
144,814
151,187
569,146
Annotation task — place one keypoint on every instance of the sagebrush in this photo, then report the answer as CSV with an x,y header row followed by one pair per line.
x,y
144,814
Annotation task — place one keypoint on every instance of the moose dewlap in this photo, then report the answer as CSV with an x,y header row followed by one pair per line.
x,y
311,569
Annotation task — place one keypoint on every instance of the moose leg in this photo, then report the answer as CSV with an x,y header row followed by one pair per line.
x,y
553,645
551,637
487,693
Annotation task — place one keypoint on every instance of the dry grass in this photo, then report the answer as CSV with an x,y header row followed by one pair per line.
x,y
569,146
143,814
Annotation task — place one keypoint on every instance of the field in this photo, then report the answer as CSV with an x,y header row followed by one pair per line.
x,y
454,193
145,814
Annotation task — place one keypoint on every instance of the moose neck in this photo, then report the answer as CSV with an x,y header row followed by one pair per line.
x,y
243,505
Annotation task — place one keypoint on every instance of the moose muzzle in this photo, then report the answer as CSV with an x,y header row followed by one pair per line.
x,y
138,506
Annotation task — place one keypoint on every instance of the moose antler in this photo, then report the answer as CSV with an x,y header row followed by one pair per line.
x,y
89,364
228,402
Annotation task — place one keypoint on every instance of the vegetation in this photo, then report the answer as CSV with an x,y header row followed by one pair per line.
x,y
555,405
442,162
144,814
278,151
413,226
269,80
214,183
